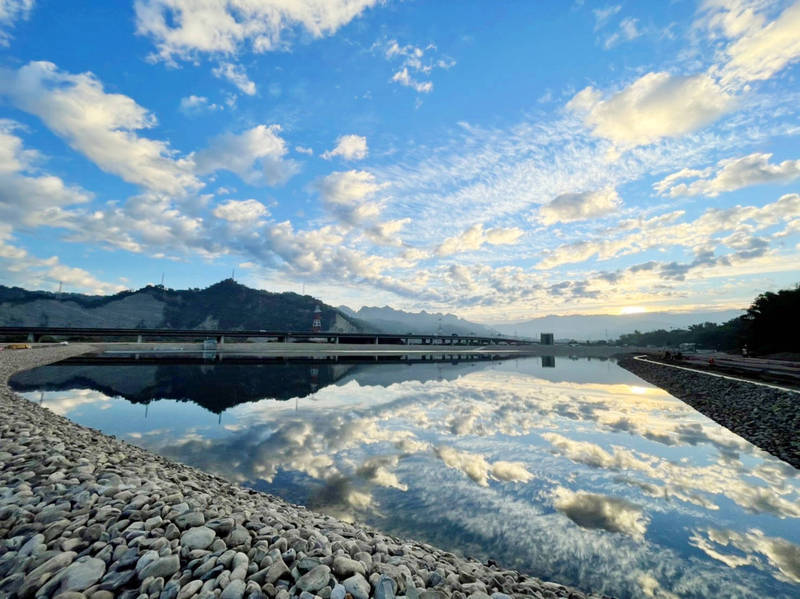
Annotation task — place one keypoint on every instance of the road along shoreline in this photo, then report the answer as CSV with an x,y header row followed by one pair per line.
x,y
767,416
86,515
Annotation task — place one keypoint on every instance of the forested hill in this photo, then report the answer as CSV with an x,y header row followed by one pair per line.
x,y
224,305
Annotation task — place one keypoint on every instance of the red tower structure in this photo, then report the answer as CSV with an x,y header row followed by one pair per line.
x,y
316,324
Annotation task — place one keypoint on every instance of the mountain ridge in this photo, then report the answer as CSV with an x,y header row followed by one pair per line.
x,y
226,304
392,320
592,327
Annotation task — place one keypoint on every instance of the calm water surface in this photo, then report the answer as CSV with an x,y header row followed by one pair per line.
x,y
571,470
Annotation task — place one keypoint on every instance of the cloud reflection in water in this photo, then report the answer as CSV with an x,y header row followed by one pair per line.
x,y
617,487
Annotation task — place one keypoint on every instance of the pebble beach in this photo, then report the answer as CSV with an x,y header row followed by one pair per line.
x,y
86,515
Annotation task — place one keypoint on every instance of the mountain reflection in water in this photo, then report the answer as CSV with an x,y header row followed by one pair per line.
x,y
571,470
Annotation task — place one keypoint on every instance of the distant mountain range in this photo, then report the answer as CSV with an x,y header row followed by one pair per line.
x,y
594,327
230,305
389,320
225,305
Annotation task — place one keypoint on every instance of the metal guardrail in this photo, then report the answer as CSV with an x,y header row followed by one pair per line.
x,y
33,334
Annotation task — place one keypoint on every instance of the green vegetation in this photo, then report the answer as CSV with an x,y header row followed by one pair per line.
x,y
770,325
224,305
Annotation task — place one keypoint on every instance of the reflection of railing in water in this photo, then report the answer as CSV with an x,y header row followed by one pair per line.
x,y
228,358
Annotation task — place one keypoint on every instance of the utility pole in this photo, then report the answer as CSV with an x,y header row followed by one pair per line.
x,y
162,279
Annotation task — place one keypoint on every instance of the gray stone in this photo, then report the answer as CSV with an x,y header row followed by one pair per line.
x,y
62,560
238,536
357,586
277,571
222,526
189,520
82,573
345,567
314,579
116,579
161,567
386,588
234,590
189,589
170,590
435,579
30,545
338,592
145,560
199,537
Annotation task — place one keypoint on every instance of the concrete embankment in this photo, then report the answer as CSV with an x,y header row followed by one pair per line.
x,y
767,417
85,515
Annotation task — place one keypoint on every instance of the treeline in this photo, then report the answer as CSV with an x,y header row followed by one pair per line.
x,y
770,325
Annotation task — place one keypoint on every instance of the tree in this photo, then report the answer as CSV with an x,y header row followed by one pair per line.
x,y
773,322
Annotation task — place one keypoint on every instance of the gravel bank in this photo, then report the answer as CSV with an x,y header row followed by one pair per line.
x,y
85,515
768,418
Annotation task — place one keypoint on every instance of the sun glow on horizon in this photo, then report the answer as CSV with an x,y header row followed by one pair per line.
x,y
633,310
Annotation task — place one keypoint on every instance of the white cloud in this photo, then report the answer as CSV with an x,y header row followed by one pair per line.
x,y
511,472
10,12
20,268
182,29
655,106
193,105
760,51
473,465
349,147
571,207
404,78
729,175
304,150
628,30
475,237
28,197
241,211
388,232
100,125
415,69
349,195
479,469
697,235
254,154
731,17
236,74
602,15
590,510
781,555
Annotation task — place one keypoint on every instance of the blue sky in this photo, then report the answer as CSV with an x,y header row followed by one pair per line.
x,y
497,160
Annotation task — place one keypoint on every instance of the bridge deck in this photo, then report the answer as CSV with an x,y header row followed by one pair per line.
x,y
36,333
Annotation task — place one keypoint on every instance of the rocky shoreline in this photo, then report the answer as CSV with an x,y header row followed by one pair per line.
x,y
767,417
87,516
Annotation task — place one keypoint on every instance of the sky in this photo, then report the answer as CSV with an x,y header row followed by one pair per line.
x,y
498,160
